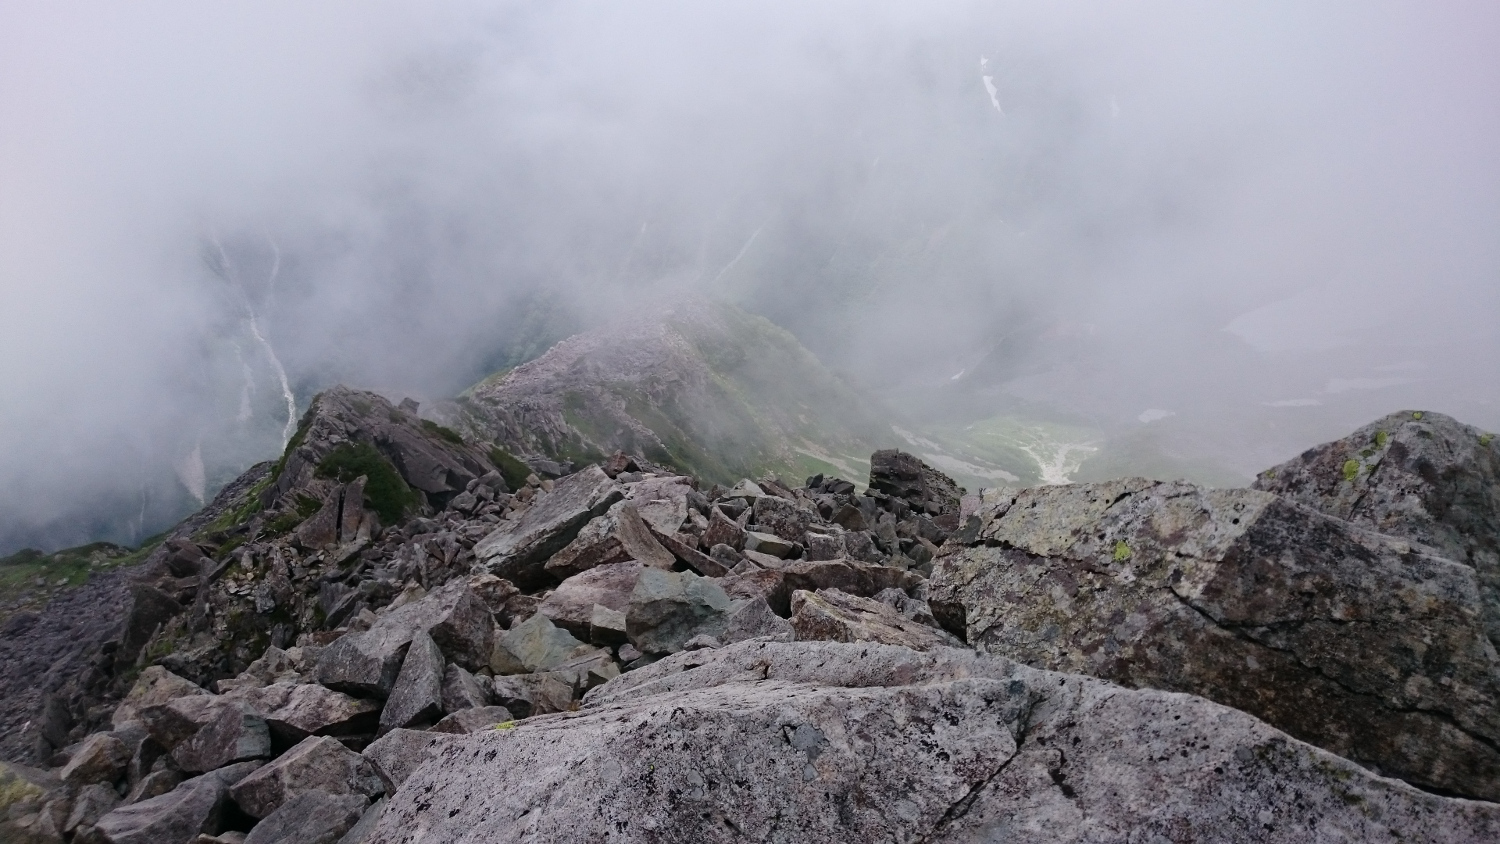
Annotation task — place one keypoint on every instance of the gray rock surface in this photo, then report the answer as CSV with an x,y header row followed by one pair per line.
x,y
366,663
1362,644
294,711
100,758
312,817
318,763
571,605
668,608
417,697
812,742
925,489
829,615
154,686
518,552
365,827
535,644
467,721
618,535
177,816
204,733
396,754
462,690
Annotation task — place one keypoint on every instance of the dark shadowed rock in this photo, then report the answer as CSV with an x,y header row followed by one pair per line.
x,y
1420,476
462,690
312,817
155,685
833,616
362,831
396,754
176,817
367,663
318,763
668,608
417,697
617,536
571,605
925,489
754,619
781,517
146,610
722,530
849,576
815,742
206,733
1359,643
294,711
518,552
92,803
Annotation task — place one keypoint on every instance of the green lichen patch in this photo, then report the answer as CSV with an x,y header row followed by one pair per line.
x,y
1416,414
1122,551
387,493
1486,439
1380,439
1351,469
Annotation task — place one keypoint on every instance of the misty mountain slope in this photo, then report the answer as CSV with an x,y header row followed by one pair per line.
x,y
703,387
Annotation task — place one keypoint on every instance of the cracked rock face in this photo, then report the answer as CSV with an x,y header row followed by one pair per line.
x,y
812,742
1359,643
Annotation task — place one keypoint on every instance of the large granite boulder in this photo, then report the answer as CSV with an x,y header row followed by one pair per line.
x,y
618,536
1417,475
294,711
417,697
814,742
1364,645
203,733
312,817
518,552
668,608
571,605
829,615
177,817
316,764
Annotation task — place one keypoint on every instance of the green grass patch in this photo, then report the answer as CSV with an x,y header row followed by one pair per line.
x,y
512,469
71,566
448,434
388,494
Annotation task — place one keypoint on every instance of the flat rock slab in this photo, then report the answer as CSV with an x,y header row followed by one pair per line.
x,y
1360,643
316,764
815,742
829,615
396,754
294,711
204,733
313,817
518,552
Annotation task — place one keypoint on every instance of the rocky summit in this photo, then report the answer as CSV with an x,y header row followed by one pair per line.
x,y
405,632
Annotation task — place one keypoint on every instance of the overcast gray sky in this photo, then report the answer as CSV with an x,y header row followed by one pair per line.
x,y
1218,210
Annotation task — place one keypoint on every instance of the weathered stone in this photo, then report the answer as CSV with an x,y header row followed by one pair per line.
x,y
909,607
615,537
725,556
311,817
607,626
515,693
462,690
833,616
274,666
722,530
768,585
769,544
848,576
467,721
823,546
367,663
813,742
177,816
364,830
746,489
99,758
155,685
784,518
92,803
1353,641
755,559
417,697
754,619
396,754
207,733
667,608
317,763
1421,476
536,644
925,489
517,552
682,547
321,529
147,610
153,784
294,711
495,593
571,605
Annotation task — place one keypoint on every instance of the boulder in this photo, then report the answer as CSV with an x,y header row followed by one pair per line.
x,y
147,609
683,548
770,544
618,536
207,733
813,742
467,721
849,576
1417,475
153,784
923,488
517,552
607,626
571,605
829,615
312,817
99,758
364,829
754,619
155,685
462,690
396,754
294,711
367,663
783,518
92,803
768,585
1362,644
516,693
722,530
318,763
668,608
180,815
535,644
417,697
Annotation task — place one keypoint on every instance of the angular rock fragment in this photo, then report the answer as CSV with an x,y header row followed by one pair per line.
x,y
467,721
754,619
812,742
417,697
517,552
849,576
294,711
534,645
364,830
769,544
781,517
668,608
155,685
318,763
606,626
367,663
99,758
396,754
618,536
925,489
462,690
179,815
722,530
571,605
92,803
833,616
312,817
207,733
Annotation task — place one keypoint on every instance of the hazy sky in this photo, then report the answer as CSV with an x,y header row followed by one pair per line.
x,y
1204,208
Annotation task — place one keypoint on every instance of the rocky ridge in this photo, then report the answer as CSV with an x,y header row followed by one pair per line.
x,y
391,636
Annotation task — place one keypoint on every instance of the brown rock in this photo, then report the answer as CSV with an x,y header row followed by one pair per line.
x,y
833,616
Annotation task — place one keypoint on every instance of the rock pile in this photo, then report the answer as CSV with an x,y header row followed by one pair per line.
x,y
385,638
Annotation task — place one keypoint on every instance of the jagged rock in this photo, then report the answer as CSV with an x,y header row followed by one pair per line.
x,y
725,556
536,644
467,721
513,693
1359,643
147,610
367,663
99,758
746,489
274,666
849,576
177,816
722,530
364,829
417,697
317,763
396,754
518,552
767,585
909,607
833,616
571,605
294,711
668,608
462,690
207,733
153,784
1418,475
811,742
495,593
92,803
924,488
823,546
682,547
783,518
757,542
754,619
312,817
607,626
617,536
321,529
